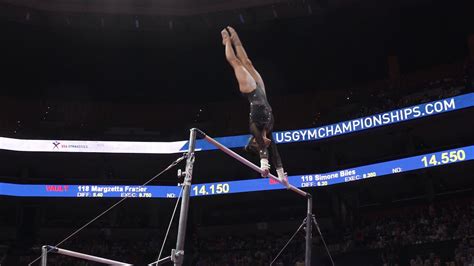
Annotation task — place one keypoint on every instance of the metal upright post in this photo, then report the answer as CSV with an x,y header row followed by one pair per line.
x,y
177,256
309,235
44,255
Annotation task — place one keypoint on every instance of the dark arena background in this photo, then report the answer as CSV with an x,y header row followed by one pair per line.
x,y
373,105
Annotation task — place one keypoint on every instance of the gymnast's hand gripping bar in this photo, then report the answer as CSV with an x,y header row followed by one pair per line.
x,y
249,164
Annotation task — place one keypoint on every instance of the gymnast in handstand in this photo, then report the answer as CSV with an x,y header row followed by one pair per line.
x,y
251,86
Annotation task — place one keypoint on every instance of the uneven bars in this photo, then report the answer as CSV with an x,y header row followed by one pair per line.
x,y
83,256
250,164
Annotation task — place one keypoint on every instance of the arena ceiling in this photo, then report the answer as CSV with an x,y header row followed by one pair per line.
x,y
140,7
183,7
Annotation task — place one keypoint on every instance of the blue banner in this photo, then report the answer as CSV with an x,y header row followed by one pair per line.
x,y
309,134
355,125
250,185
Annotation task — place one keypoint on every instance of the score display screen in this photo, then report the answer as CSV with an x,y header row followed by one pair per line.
x,y
249,185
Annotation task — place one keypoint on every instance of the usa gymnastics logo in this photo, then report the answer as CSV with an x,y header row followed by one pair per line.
x,y
67,146
56,145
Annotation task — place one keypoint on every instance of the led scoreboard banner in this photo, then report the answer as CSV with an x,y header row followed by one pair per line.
x,y
251,185
299,135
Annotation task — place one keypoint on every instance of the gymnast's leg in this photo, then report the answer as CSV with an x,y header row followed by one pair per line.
x,y
246,82
243,57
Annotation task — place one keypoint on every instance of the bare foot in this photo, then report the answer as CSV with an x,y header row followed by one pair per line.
x,y
234,36
225,37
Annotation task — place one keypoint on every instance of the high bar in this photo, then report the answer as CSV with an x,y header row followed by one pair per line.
x,y
250,164
84,256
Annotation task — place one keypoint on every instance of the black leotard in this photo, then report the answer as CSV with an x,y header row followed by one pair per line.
x,y
261,118
260,109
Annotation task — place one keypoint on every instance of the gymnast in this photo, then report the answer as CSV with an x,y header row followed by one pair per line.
x,y
261,118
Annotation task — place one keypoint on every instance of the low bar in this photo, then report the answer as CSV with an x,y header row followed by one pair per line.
x,y
83,256
250,164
